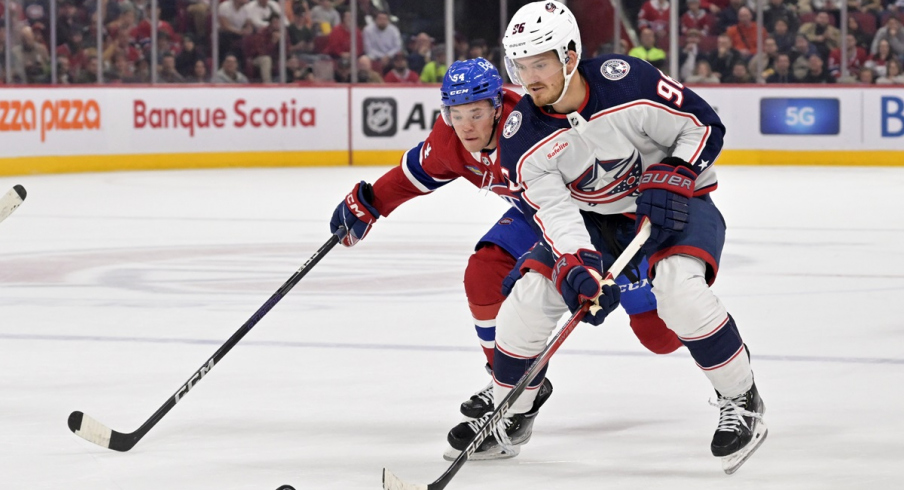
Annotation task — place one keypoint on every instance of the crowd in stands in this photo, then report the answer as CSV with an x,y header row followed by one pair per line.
x,y
718,42
801,41
318,37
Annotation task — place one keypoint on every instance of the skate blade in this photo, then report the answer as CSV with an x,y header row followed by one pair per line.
x,y
491,454
732,462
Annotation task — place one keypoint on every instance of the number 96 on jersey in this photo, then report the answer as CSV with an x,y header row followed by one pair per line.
x,y
796,116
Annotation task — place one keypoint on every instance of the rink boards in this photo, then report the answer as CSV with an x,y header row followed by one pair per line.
x,y
49,130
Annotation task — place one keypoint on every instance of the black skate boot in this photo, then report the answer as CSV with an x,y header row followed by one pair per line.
x,y
479,403
518,428
741,429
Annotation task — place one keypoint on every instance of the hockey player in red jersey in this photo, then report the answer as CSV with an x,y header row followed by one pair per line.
x,y
463,144
593,146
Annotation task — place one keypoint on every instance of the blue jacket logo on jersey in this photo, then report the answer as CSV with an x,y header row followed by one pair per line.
x,y
615,69
512,124
628,172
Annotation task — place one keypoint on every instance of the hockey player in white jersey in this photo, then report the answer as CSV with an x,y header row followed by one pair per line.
x,y
592,147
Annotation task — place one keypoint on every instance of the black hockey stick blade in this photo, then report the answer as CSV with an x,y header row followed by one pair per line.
x,y
392,482
91,430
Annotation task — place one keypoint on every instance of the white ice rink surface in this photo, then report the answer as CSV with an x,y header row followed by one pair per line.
x,y
115,288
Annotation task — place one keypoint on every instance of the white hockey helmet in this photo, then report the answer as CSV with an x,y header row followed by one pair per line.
x,y
539,27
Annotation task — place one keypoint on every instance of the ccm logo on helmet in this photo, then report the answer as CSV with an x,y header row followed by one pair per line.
x,y
457,92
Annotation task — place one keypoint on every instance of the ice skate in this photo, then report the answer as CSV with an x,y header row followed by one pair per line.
x,y
479,403
518,428
741,429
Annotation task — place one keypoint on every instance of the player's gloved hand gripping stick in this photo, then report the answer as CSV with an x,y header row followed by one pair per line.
x,y
392,482
93,431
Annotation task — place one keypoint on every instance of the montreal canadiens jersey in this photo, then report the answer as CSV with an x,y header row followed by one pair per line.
x,y
592,159
440,159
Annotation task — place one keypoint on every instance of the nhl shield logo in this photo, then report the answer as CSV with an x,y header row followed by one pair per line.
x,y
615,69
512,124
379,117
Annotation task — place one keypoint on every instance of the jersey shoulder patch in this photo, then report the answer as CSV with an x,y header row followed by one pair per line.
x,y
512,124
615,69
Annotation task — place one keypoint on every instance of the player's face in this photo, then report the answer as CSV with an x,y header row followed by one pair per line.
x,y
543,76
473,124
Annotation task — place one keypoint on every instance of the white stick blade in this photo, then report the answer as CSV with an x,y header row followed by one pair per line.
x,y
94,431
392,482
11,200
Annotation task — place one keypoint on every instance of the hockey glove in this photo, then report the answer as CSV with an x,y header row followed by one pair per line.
x,y
509,281
578,278
356,214
664,192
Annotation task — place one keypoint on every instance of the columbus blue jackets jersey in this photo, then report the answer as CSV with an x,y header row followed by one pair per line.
x,y
632,117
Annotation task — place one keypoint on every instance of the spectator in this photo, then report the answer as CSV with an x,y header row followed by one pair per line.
x,y
263,47
301,33
784,37
190,54
198,74
122,45
122,68
893,33
830,7
800,55
728,16
142,72
382,40
739,74
168,73
325,17
823,36
233,25
343,73
259,12
199,11
654,14
866,77
697,18
879,61
64,75
400,72
724,57
89,74
782,72
298,72
816,71
647,50
435,70
767,58
30,59
778,10
340,38
420,55
687,59
743,34
894,75
703,73
229,72
478,49
460,47
856,59
864,40
366,73
66,21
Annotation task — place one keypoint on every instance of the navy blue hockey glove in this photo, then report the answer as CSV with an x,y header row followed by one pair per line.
x,y
579,278
356,214
509,281
665,189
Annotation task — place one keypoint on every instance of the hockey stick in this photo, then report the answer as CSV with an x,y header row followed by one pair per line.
x,y
392,482
91,430
11,201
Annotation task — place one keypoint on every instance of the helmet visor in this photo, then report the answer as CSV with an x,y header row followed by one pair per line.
x,y
532,69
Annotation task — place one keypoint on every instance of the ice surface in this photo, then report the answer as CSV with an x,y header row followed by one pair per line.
x,y
116,287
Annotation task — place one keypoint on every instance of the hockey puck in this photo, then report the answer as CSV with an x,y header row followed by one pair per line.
x,y
286,487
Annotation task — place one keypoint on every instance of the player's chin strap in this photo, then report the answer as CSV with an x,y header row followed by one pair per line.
x,y
492,134
567,80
